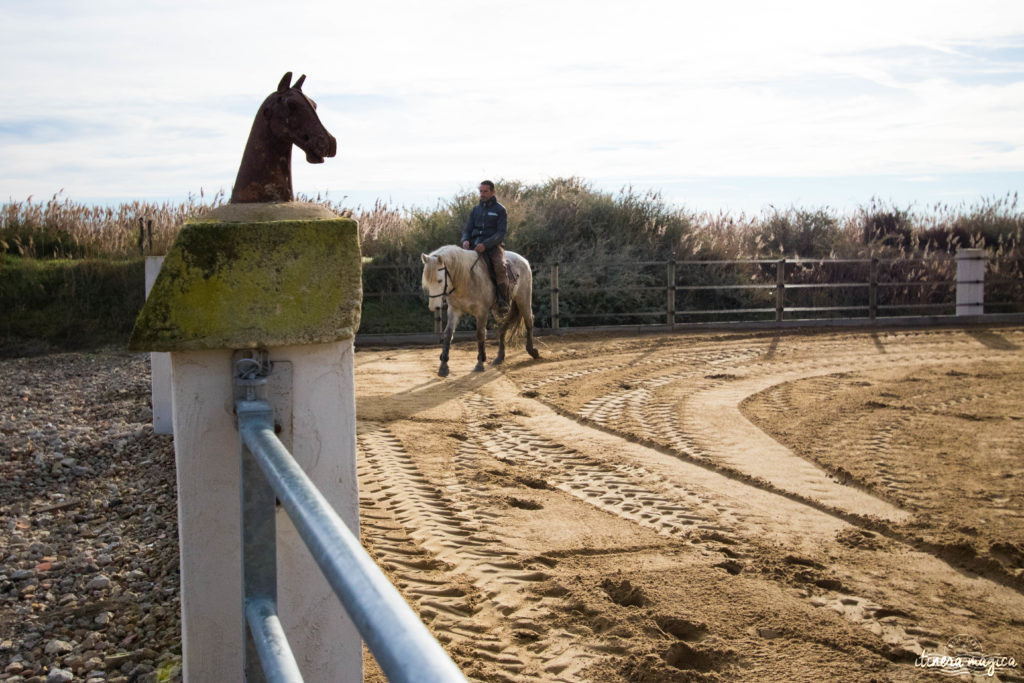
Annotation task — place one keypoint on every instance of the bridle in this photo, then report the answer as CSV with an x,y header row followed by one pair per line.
x,y
444,290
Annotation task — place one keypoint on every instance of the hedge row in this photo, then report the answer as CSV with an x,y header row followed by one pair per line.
x,y
69,303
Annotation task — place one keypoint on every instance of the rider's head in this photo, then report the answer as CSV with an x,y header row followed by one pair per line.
x,y
486,190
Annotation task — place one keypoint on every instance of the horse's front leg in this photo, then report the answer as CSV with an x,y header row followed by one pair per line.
x,y
446,341
481,343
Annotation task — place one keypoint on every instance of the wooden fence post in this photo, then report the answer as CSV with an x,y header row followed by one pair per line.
x,y
780,288
554,296
873,290
671,291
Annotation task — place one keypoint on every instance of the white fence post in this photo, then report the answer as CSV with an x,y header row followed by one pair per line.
x,y
970,281
159,366
290,284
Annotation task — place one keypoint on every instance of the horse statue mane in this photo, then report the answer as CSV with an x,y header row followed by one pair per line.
x,y
287,117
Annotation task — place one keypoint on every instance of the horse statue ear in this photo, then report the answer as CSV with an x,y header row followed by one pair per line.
x,y
283,85
298,83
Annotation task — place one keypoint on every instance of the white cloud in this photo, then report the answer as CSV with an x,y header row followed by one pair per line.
x,y
156,98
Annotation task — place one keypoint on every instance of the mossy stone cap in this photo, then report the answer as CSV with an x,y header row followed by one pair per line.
x,y
259,284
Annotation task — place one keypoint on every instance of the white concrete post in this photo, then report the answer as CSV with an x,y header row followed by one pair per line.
x,y
327,646
285,278
970,281
159,366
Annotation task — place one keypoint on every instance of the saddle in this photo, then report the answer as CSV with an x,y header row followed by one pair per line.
x,y
513,278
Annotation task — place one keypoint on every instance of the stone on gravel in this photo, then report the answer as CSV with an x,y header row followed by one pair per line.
x,y
59,676
58,647
98,583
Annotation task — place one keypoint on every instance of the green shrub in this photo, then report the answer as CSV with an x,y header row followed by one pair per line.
x,y
70,303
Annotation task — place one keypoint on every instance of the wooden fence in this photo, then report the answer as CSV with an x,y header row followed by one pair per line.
x,y
670,292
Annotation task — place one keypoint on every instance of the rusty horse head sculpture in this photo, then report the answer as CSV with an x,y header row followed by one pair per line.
x,y
287,117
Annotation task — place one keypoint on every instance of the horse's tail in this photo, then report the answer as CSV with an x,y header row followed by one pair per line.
x,y
515,325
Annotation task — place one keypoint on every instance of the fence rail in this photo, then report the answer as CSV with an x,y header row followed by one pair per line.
x,y
402,645
670,292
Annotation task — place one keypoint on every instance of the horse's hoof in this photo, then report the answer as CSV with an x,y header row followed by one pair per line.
x,y
479,367
533,352
497,361
442,371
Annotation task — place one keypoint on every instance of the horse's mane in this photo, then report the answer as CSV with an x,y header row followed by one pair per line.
x,y
458,261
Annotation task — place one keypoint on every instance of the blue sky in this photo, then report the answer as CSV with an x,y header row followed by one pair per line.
x,y
732,107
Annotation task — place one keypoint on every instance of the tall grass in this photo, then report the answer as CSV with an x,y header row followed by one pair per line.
x,y
592,233
60,228
563,219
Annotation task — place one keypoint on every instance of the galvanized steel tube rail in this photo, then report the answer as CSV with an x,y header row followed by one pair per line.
x,y
402,645
279,665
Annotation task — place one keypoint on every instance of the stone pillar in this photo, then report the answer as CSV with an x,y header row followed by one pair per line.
x,y
970,281
159,366
290,284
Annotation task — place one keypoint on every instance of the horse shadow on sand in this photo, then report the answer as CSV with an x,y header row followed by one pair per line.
x,y
422,397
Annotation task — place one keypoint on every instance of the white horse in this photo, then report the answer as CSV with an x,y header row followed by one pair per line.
x,y
460,277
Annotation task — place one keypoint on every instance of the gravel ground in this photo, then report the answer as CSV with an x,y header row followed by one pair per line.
x,y
88,527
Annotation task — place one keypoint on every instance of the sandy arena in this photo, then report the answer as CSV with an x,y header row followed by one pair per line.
x,y
772,506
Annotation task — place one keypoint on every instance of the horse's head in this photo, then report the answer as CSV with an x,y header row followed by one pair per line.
x,y
436,281
292,116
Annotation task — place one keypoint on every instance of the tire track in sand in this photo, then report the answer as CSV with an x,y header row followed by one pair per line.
x,y
473,592
628,491
720,431
642,366
699,416
881,437
731,517
680,498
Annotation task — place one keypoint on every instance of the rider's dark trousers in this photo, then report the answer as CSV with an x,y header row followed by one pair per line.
x,y
495,257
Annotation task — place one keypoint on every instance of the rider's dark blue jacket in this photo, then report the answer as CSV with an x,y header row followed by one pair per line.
x,y
486,225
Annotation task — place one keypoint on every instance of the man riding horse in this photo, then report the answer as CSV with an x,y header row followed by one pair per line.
x,y
484,233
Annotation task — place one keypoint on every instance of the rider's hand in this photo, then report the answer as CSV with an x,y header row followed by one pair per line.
x,y
465,245
480,248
